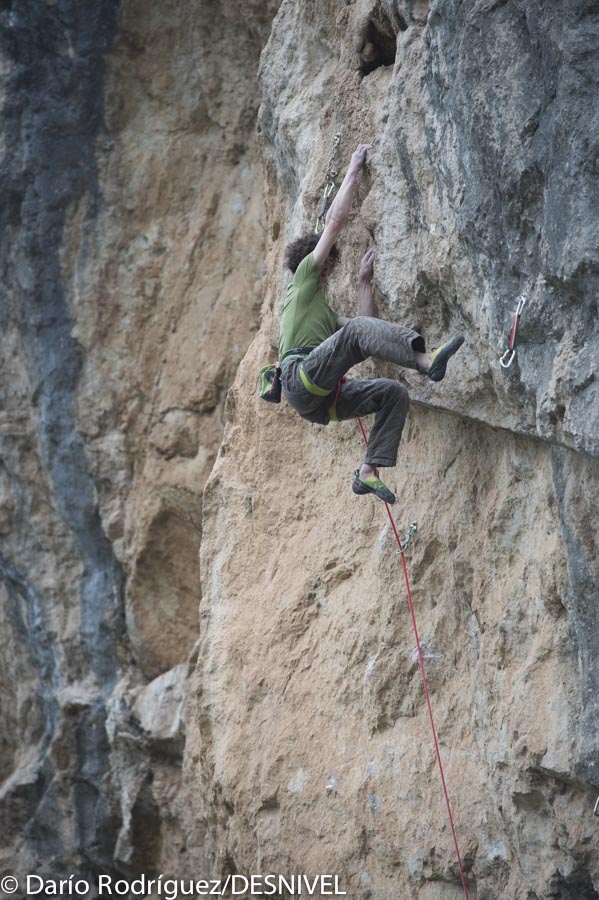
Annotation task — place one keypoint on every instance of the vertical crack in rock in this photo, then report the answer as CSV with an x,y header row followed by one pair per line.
x,y
414,194
52,117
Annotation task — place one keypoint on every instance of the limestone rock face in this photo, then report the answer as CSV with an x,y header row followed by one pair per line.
x,y
315,752
208,664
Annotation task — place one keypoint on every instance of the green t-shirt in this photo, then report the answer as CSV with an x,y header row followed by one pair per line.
x,y
307,318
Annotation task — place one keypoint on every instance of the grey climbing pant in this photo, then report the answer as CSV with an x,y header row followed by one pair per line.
x,y
326,365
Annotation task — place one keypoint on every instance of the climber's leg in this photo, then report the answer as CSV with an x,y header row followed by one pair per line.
x,y
362,337
389,400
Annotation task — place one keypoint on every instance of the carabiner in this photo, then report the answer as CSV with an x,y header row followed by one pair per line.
x,y
521,301
507,364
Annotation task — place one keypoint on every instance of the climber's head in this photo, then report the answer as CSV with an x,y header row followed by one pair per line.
x,y
302,246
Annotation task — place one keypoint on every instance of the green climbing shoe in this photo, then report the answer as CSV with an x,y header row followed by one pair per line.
x,y
440,356
372,484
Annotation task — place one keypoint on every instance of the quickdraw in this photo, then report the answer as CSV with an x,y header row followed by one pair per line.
x,y
329,187
408,537
508,357
596,810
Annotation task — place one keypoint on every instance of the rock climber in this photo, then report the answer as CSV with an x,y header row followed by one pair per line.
x,y
317,347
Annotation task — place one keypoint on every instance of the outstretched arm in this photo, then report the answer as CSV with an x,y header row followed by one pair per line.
x,y
338,214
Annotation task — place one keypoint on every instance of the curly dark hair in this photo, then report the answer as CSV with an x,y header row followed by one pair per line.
x,y
301,247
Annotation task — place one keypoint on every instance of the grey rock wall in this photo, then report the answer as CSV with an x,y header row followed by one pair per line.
x,y
52,118
511,90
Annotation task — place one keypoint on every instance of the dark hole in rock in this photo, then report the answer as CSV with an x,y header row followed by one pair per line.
x,y
578,885
379,43
146,837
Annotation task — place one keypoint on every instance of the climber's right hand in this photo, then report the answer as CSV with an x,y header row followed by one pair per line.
x,y
366,270
359,156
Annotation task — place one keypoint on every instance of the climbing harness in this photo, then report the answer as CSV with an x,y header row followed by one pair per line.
x,y
296,353
309,384
332,409
508,357
329,186
402,547
322,392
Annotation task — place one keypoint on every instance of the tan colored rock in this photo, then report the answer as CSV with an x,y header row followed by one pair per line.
x,y
337,730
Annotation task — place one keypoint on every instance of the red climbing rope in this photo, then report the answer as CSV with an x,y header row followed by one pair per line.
x,y
426,694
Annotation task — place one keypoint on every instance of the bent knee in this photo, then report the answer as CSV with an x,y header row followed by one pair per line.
x,y
395,387
351,327
358,324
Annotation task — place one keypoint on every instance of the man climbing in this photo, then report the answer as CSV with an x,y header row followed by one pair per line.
x,y
317,347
